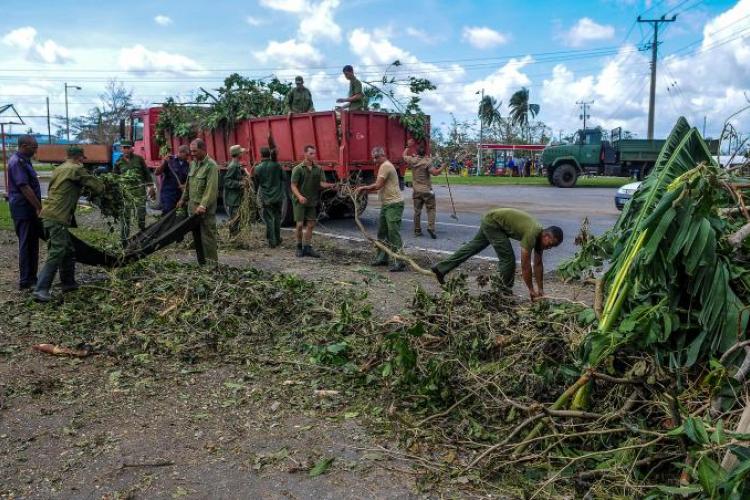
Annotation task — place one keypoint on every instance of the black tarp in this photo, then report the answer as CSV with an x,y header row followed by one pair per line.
x,y
168,229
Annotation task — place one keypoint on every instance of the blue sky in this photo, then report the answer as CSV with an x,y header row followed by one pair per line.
x,y
563,51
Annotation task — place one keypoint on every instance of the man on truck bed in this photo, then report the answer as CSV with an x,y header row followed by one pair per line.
x,y
137,177
174,172
356,100
299,98
200,196
497,228
422,195
391,210
57,216
270,179
307,183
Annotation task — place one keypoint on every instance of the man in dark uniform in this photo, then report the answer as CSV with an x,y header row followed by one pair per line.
x,y
356,101
57,216
25,198
174,172
270,179
299,98
137,177
234,188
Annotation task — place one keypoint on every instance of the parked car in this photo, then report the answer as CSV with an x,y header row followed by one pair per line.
x,y
625,193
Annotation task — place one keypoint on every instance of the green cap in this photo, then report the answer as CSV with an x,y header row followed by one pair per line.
x,y
236,150
126,144
75,150
298,78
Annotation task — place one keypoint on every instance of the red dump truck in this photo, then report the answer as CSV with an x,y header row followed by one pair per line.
x,y
343,142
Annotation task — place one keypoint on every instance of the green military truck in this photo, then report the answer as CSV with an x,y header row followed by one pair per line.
x,y
591,154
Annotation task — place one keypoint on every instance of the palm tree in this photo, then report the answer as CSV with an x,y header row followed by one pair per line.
x,y
520,109
489,111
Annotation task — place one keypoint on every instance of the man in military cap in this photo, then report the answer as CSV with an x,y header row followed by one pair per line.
x,y
200,197
137,178
57,216
422,171
234,188
356,100
174,172
271,180
299,98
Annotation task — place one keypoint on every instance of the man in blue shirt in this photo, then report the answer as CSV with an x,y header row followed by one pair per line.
x,y
25,197
174,172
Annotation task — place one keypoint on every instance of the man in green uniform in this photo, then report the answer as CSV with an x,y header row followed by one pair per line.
x,y
356,100
136,177
422,195
497,228
307,183
270,179
299,99
234,188
57,216
200,196
391,209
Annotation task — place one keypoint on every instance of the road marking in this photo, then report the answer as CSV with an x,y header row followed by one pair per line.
x,y
456,224
420,249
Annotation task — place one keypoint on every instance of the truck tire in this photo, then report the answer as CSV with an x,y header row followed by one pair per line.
x,y
565,175
550,172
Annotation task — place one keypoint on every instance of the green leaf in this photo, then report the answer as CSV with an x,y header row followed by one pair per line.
x,y
710,475
696,431
680,490
321,466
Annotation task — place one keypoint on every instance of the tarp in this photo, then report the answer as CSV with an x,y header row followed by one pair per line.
x,y
168,229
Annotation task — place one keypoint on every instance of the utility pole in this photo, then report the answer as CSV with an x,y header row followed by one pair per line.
x,y
481,137
584,115
67,119
704,126
654,52
49,128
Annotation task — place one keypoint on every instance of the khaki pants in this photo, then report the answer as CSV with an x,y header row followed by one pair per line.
x,y
428,201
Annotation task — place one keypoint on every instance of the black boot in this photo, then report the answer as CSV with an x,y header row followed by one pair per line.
x,y
68,276
438,275
300,250
44,283
309,252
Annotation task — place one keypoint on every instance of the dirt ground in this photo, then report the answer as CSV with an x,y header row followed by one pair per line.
x,y
91,428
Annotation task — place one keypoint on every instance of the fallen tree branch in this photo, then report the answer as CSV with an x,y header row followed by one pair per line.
x,y
738,237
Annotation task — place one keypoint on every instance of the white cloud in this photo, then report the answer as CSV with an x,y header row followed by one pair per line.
x,y
138,59
587,30
315,17
48,51
162,20
290,53
294,6
482,37
254,21
420,35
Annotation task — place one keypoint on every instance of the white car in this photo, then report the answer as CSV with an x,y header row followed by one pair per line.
x,y
625,193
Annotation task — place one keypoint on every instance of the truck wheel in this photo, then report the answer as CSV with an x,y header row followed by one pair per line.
x,y
550,172
287,211
565,176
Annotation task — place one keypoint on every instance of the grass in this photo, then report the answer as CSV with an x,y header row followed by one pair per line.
x,y
6,223
455,180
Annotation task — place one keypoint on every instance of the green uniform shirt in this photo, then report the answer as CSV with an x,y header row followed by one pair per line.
x,y
355,87
233,188
135,174
202,185
299,101
517,224
307,181
64,190
270,178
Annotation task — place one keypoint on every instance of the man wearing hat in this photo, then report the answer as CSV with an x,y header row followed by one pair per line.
x,y
271,181
57,216
356,100
234,188
299,98
136,177
174,172
200,195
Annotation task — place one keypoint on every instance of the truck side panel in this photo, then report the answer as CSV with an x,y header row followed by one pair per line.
x,y
96,154
640,150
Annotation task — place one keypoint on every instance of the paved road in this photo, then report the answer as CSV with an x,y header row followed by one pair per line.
x,y
562,207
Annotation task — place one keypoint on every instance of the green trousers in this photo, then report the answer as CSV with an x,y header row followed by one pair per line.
x,y
60,256
135,211
488,234
204,237
233,219
389,230
272,220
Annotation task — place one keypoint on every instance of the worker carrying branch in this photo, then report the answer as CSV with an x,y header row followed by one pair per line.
x,y
497,228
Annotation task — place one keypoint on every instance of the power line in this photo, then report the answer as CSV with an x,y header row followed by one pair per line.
x,y
655,23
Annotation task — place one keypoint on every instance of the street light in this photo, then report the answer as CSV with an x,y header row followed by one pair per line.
x,y
481,132
67,119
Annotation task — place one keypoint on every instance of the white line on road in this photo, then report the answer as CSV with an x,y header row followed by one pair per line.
x,y
450,224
